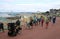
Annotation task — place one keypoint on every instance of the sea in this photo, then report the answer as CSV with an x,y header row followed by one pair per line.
x,y
4,15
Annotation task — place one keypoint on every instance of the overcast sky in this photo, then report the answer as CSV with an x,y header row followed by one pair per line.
x,y
28,5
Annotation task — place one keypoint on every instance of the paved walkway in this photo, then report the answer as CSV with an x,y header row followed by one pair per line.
x,y
53,32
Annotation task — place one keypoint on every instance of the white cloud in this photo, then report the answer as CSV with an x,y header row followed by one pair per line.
x,y
25,7
29,7
32,7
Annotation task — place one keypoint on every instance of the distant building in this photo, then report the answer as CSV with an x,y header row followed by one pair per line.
x,y
54,11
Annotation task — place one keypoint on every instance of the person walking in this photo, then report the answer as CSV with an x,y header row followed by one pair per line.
x,y
47,22
54,19
35,20
18,27
1,26
42,21
31,22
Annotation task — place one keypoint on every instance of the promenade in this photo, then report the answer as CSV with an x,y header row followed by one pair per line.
x,y
53,32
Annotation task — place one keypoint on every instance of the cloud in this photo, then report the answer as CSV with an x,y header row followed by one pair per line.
x,y
25,7
31,5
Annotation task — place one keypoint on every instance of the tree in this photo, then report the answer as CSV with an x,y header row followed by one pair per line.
x,y
47,12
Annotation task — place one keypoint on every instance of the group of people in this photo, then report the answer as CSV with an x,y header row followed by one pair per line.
x,y
13,28
33,21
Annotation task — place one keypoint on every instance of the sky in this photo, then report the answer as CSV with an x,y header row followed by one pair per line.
x,y
28,5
